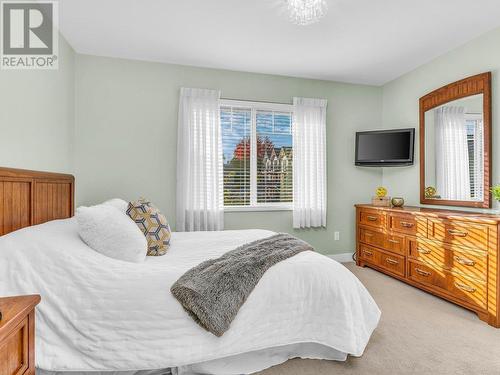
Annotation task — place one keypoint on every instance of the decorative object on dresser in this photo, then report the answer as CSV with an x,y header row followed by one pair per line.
x,y
397,202
430,193
381,199
495,191
381,192
451,254
455,144
31,197
17,335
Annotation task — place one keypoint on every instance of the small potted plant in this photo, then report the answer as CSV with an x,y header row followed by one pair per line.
x,y
495,191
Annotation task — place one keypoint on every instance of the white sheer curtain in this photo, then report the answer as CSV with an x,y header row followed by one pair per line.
x,y
452,157
199,162
309,163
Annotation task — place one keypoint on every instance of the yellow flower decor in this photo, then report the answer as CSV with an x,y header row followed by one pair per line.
x,y
430,192
495,190
381,192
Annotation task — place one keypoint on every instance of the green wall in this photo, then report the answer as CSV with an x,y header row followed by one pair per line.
x,y
37,115
113,123
126,136
401,107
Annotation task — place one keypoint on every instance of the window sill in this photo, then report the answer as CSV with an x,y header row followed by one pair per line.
x,y
258,208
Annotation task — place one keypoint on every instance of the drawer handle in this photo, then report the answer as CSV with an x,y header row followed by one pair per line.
x,y
393,241
391,261
371,218
368,234
369,253
422,272
406,224
424,251
464,261
465,287
457,233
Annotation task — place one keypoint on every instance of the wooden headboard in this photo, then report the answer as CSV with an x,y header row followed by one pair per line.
x,y
31,197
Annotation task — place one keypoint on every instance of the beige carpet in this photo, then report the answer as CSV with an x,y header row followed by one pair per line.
x,y
418,334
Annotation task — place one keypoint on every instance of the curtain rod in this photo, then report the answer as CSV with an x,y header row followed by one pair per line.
x,y
256,101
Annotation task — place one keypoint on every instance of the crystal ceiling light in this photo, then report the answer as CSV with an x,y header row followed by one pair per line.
x,y
306,12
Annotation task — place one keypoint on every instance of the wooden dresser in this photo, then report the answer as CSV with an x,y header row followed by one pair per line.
x,y
452,254
17,335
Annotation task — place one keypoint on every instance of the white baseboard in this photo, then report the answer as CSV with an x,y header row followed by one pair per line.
x,y
342,258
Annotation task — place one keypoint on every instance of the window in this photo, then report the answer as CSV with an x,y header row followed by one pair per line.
x,y
258,155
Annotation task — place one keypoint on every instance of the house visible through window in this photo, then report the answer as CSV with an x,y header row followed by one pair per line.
x,y
258,152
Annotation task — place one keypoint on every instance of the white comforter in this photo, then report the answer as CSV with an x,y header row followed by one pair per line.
x,y
99,313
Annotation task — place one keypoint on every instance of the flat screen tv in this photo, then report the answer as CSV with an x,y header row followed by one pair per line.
x,y
385,148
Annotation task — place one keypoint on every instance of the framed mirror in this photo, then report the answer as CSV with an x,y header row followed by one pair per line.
x,y
455,144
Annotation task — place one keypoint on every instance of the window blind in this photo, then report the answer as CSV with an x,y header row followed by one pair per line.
x,y
236,137
274,157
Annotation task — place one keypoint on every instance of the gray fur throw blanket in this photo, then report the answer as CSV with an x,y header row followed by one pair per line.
x,y
213,291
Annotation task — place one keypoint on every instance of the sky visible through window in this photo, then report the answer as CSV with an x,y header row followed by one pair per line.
x,y
236,127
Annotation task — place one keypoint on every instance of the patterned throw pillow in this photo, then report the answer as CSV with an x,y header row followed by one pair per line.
x,y
153,224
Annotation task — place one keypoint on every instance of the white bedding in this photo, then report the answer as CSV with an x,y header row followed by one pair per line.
x,y
102,314
246,363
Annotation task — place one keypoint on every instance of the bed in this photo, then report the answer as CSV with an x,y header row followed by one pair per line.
x,y
102,314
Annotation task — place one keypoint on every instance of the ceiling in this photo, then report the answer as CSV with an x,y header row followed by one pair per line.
x,y
359,41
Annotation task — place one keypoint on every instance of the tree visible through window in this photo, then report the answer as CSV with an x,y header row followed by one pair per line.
x,y
258,155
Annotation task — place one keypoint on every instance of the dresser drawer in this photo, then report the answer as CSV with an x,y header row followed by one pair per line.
x,y
428,252
468,263
393,263
456,259
408,224
390,262
395,243
468,290
459,233
427,275
369,254
372,237
372,218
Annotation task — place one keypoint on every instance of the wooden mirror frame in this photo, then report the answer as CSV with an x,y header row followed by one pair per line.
x,y
475,85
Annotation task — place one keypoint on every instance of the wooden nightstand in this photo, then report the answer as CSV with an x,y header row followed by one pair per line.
x,y
17,335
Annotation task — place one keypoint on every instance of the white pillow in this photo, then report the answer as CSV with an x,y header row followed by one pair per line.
x,y
118,203
111,232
